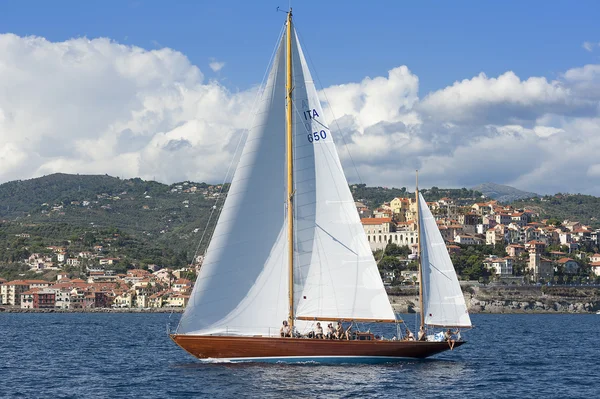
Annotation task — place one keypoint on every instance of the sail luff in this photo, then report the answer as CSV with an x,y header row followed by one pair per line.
x,y
290,169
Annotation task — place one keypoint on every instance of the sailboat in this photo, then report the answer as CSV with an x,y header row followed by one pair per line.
x,y
289,246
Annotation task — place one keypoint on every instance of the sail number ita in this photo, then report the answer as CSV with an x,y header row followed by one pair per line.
x,y
316,136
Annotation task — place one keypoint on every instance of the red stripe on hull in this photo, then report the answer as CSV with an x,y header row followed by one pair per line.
x,y
225,347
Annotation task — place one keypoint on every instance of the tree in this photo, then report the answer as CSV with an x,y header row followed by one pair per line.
x,y
390,263
395,250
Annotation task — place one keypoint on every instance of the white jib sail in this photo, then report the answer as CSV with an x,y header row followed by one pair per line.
x,y
242,287
444,303
335,273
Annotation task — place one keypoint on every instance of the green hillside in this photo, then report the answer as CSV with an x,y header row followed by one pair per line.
x,y
373,197
148,222
574,207
149,212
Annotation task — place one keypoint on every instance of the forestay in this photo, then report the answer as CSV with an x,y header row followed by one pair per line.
x,y
442,296
242,285
335,273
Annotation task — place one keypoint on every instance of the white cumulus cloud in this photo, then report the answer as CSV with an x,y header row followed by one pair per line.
x,y
97,106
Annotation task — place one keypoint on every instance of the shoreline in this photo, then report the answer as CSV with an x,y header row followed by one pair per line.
x,y
92,310
398,308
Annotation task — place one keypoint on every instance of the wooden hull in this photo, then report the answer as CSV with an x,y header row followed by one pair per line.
x,y
259,349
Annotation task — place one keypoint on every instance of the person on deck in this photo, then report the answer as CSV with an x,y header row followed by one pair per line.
x,y
285,331
319,331
348,333
339,330
448,337
409,335
330,331
422,334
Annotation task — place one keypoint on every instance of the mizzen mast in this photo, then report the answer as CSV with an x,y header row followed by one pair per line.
x,y
422,304
290,170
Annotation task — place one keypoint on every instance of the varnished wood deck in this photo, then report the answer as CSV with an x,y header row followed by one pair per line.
x,y
230,347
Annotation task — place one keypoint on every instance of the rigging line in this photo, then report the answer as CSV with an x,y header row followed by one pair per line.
x,y
259,95
332,113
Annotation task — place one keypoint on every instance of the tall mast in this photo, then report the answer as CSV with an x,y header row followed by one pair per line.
x,y
290,174
422,307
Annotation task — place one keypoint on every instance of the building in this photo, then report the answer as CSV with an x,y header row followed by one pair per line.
x,y
470,219
595,268
73,262
399,208
453,249
538,246
38,298
539,267
381,231
178,300
501,267
467,240
515,250
569,265
363,210
496,235
182,285
503,218
11,291
124,300
483,208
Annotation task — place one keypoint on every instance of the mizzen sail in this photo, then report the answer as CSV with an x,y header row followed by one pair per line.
x,y
443,300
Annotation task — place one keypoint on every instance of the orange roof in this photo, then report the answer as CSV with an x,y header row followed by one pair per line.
x,y
595,264
375,220
31,291
564,260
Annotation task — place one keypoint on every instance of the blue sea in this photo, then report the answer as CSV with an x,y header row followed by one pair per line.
x,y
93,355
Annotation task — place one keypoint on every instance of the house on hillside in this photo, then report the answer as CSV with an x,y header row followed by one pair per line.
x,y
515,250
569,265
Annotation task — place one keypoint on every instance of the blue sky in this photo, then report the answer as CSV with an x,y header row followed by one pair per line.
x,y
440,42
467,92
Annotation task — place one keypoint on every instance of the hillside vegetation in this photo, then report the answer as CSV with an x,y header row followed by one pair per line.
x,y
152,213
574,207
150,222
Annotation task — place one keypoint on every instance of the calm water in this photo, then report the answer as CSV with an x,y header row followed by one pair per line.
x,y
130,355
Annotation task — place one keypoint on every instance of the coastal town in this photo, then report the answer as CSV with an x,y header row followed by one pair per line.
x,y
535,251
527,251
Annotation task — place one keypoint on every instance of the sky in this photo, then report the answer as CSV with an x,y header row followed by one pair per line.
x,y
467,92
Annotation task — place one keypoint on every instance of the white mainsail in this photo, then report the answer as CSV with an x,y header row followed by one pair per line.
x,y
242,287
335,273
444,303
